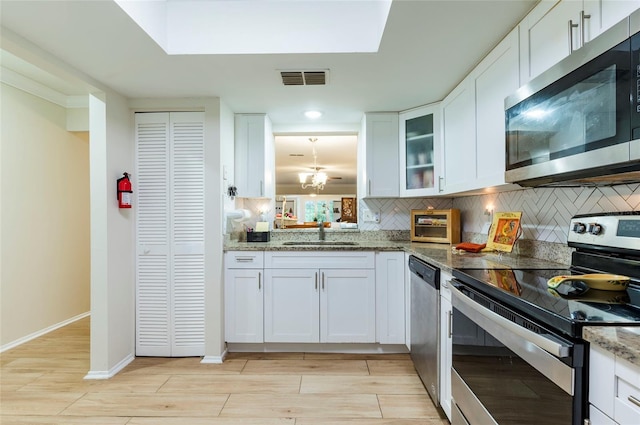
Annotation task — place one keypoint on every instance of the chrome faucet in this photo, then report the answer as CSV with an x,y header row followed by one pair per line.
x,y
321,229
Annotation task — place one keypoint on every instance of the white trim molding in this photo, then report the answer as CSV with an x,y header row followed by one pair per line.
x,y
42,332
106,374
214,359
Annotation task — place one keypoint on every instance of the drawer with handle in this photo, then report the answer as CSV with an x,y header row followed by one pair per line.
x,y
244,259
627,393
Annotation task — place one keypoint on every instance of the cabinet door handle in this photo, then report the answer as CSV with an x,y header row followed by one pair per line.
x,y
259,281
583,17
261,188
634,400
244,259
571,27
369,187
440,180
323,281
316,281
450,324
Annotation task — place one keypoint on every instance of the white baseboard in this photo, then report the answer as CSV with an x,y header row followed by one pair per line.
x,y
215,359
41,332
346,348
102,374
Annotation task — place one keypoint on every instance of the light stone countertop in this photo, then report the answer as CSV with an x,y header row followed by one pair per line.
x,y
439,255
623,342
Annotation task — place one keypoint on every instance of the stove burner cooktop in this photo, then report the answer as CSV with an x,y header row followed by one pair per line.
x,y
526,291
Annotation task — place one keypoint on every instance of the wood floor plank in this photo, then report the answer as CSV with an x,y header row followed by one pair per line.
x,y
265,356
182,366
402,384
391,367
408,406
211,421
38,364
106,404
351,356
13,380
74,382
306,367
227,384
35,403
339,421
63,420
301,406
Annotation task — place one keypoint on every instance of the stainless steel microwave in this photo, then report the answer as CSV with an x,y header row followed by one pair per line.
x,y
579,122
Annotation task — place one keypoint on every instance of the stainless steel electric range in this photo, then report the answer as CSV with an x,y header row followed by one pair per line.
x,y
518,353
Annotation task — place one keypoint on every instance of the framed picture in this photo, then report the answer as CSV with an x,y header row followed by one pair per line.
x,y
505,231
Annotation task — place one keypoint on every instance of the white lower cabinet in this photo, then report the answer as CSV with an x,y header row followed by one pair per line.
x,y
292,305
446,316
319,305
390,297
243,297
320,297
614,389
315,297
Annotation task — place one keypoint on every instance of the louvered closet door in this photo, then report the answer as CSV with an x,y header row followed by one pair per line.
x,y
187,223
170,234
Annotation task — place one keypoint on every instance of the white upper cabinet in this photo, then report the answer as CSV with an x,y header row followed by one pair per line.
x,y
420,151
254,156
549,33
459,138
606,13
473,121
495,78
378,162
553,29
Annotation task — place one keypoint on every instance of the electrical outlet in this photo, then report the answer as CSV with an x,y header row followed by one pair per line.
x,y
369,216
376,217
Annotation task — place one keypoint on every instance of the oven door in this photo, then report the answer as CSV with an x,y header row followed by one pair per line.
x,y
511,373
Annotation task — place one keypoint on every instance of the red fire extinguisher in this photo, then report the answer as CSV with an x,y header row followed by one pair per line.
x,y
124,191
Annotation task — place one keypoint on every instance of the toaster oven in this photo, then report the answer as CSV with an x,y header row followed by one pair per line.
x,y
439,226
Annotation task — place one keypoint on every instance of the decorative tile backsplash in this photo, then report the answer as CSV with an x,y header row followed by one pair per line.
x,y
546,212
395,214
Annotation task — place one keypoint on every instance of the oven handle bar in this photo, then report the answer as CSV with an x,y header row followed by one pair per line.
x,y
553,347
539,351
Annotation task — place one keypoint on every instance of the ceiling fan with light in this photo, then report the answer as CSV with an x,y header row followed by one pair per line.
x,y
318,178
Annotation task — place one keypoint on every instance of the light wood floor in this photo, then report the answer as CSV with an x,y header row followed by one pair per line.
x,y
42,382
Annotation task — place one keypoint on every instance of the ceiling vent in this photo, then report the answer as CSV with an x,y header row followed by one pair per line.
x,y
304,78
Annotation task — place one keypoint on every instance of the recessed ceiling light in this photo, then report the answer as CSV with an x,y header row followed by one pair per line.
x,y
313,114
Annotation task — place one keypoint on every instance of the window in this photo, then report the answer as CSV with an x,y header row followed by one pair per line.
x,y
318,211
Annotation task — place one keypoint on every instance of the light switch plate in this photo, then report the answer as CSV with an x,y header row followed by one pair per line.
x,y
485,228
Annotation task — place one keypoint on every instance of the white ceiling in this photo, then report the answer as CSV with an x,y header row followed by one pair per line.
x,y
427,48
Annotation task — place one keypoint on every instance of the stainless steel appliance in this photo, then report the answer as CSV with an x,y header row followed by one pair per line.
x,y
425,324
518,353
579,122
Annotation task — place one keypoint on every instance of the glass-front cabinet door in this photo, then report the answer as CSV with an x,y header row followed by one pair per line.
x,y
420,151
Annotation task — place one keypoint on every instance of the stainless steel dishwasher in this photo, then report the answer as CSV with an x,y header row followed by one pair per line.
x,y
425,324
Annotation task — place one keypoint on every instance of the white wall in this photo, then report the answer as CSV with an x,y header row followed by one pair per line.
x,y
45,278
112,236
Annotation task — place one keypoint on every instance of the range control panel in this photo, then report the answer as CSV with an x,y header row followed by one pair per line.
x,y
616,230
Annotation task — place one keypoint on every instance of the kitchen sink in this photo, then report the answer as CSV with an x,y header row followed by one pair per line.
x,y
329,243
